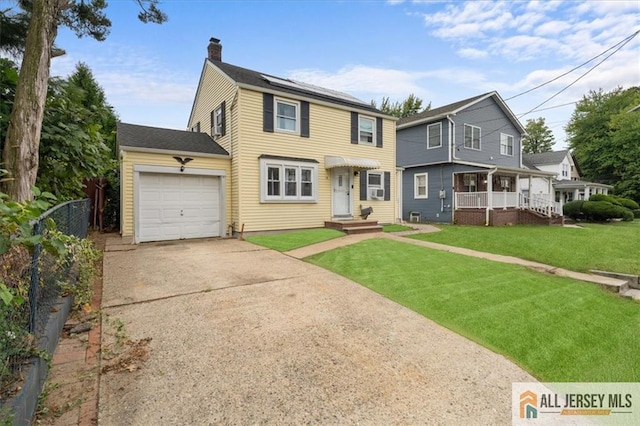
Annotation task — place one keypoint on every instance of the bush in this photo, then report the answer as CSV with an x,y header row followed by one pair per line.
x,y
601,211
628,203
605,197
573,209
636,213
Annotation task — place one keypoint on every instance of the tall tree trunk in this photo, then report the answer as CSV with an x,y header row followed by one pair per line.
x,y
23,134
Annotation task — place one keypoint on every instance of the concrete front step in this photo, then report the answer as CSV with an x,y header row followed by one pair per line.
x,y
631,293
362,229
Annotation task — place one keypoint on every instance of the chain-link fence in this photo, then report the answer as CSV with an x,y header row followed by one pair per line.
x,y
24,324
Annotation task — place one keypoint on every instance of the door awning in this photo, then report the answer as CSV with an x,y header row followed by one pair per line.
x,y
331,162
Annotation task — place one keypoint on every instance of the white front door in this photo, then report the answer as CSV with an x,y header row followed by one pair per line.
x,y
342,192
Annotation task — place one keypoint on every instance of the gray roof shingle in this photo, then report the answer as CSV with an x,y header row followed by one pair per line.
x,y
136,136
443,110
254,78
542,158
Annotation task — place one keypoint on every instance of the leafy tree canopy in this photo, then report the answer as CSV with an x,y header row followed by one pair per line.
x,y
539,137
410,106
603,133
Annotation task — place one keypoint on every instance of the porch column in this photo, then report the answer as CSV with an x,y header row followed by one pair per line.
x,y
552,196
489,195
518,190
587,192
529,193
576,194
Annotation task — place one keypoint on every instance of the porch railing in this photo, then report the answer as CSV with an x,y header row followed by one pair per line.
x,y
541,203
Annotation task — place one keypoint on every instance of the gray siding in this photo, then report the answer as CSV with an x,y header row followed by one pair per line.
x,y
492,121
411,146
432,209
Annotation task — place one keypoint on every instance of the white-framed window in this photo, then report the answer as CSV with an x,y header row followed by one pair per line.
x,y
565,170
420,185
506,144
375,185
196,127
287,116
434,135
471,137
505,182
366,130
217,122
288,181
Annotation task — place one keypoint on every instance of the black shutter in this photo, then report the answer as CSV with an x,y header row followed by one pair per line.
x,y
379,132
304,119
213,122
267,112
363,185
387,185
354,127
223,117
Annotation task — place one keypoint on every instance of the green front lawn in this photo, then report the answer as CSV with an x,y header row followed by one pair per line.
x,y
556,328
292,240
610,247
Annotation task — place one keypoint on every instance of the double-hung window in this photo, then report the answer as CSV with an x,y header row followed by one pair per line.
x,y
287,116
506,144
367,130
471,137
217,129
420,182
434,135
288,181
375,185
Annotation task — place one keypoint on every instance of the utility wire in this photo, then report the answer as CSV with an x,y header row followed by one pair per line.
x,y
625,41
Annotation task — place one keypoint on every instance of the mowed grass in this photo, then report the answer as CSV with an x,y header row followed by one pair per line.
x,y
292,240
556,328
610,247
396,228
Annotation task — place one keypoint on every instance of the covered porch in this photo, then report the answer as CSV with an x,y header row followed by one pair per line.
x,y
478,194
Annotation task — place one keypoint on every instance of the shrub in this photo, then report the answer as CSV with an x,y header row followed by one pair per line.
x,y
628,203
605,197
636,213
573,209
602,211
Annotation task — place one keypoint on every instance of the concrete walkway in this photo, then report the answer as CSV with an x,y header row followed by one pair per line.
x,y
608,283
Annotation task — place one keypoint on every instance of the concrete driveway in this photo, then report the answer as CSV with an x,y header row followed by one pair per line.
x,y
245,335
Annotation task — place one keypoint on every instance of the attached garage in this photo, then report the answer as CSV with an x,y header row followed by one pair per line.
x,y
173,184
178,206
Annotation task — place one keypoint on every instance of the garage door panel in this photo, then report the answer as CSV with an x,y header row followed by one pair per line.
x,y
178,206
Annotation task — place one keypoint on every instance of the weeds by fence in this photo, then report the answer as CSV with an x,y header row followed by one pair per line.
x,y
37,276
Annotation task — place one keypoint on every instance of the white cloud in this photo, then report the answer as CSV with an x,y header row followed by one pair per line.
x,y
552,28
471,53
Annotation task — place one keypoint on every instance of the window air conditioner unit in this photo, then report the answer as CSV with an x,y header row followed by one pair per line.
x,y
377,194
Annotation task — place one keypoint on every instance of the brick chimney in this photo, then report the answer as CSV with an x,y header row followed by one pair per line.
x,y
214,49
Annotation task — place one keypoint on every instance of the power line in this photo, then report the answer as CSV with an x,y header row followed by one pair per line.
x,y
625,41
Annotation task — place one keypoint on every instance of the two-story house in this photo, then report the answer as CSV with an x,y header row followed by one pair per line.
x,y
264,153
462,164
567,183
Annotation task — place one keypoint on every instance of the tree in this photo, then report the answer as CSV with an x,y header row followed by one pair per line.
x,y
603,133
539,137
86,18
410,106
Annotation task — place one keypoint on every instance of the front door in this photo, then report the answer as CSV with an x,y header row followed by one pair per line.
x,y
342,192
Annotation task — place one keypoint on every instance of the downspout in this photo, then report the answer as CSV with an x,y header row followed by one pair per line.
x,y
232,108
489,194
452,139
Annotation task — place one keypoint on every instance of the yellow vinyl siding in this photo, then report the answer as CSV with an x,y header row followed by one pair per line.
x,y
330,134
214,88
129,159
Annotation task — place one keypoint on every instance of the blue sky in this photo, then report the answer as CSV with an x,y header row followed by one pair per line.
x,y
441,51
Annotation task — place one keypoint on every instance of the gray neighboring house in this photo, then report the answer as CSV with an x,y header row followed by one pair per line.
x,y
461,163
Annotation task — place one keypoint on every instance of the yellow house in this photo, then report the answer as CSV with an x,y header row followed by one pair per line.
x,y
274,153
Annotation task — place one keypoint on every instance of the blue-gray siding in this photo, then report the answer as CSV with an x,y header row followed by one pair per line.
x,y
492,121
440,178
411,145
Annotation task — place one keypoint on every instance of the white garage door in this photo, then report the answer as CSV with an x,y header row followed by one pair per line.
x,y
176,206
